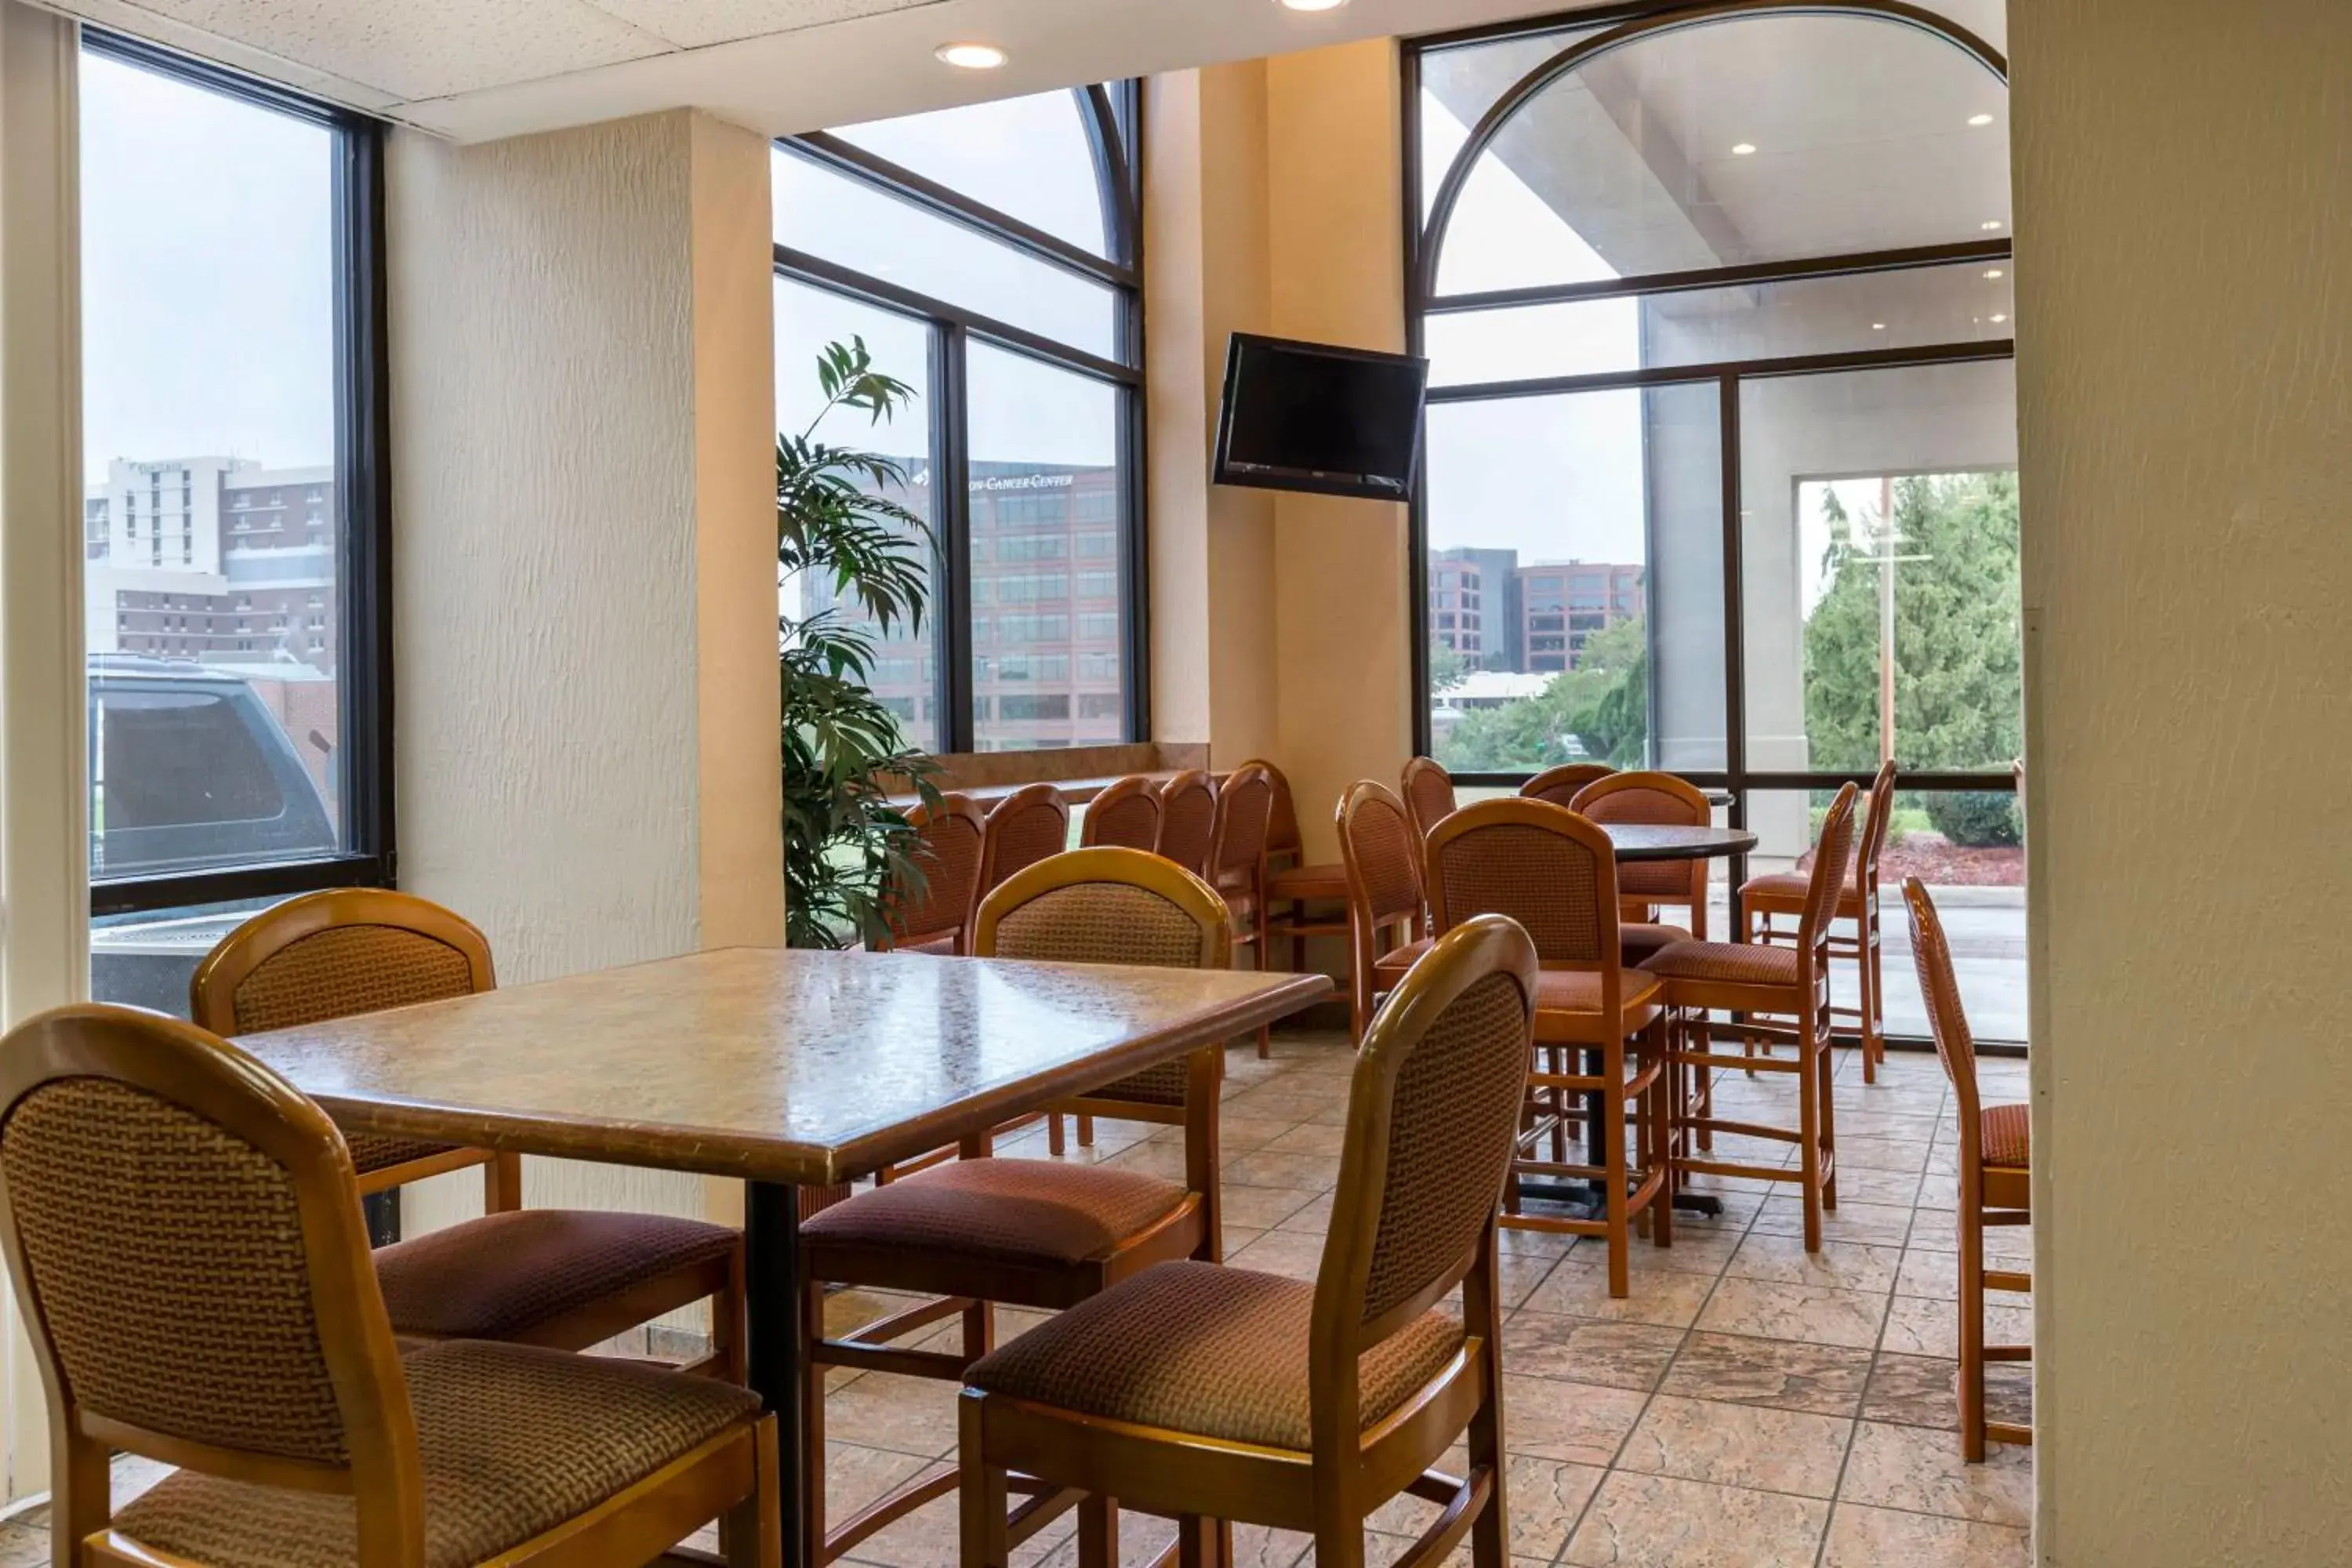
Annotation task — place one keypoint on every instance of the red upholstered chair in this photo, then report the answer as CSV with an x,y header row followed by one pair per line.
x,y
1125,815
1668,801
1294,889
1782,993
1188,819
1381,855
1562,784
1556,874
1237,860
948,850
1783,893
1027,1233
559,1277
1996,1177
1023,828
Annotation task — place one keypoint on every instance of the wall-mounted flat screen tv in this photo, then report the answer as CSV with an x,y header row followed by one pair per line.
x,y
1310,417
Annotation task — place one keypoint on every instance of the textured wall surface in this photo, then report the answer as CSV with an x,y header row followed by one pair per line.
x,y
2184,222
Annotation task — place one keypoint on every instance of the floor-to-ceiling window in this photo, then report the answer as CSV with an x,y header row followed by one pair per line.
x,y
232,519
1721,444
989,257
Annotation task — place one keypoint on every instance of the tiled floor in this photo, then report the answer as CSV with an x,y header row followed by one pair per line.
x,y
1748,1406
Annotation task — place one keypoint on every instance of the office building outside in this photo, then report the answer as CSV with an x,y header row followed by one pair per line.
x,y
1501,616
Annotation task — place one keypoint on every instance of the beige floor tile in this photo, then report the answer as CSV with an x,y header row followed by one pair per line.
x,y
1163,1160
1916,1326
1867,1187
1312,1218
1844,1265
1544,1499
1920,1469
1260,1208
904,1415
855,1476
1695,1250
1667,1299
1583,1350
23,1546
1308,1137
1874,1224
1576,1421
1738,1446
1283,1252
1657,1521
1881,1538
1305,1173
1936,1275
1825,1380
1816,1314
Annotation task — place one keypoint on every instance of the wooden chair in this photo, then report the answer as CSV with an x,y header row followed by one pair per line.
x,y
1556,874
948,843
1224,1395
1381,857
1996,1177
564,1278
1783,893
1761,982
1126,815
1024,828
1238,862
1428,791
1293,886
1562,784
1188,819
237,1334
1028,1233
1664,799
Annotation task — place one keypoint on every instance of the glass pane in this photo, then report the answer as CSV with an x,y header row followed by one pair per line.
x,y
906,669
837,217
146,960
1027,157
1756,139
1973,303
1576,580
213,522
1880,542
1048,568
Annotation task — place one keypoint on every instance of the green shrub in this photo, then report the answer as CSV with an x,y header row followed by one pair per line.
x,y
1976,820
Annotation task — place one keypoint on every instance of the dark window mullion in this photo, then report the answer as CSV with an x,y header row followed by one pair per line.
x,y
951,470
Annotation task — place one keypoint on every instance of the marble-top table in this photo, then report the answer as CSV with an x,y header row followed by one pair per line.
x,y
785,1069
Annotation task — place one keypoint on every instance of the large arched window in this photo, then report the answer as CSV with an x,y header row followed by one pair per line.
x,y
990,257
1721,444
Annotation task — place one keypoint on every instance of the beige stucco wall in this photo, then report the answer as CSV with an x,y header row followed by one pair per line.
x,y
2184,224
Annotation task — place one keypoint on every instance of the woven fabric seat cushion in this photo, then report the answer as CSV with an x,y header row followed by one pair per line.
x,y
1785,892
376,1152
1637,940
1396,960
1735,962
2008,1136
1308,883
1572,990
1200,1348
515,1440
1019,1211
500,1275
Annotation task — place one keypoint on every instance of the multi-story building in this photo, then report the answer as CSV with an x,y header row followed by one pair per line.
x,y
1563,602
1533,619
1474,607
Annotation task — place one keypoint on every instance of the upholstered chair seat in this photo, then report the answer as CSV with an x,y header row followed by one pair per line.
x,y
1579,991
1015,1211
2008,1139
1639,940
517,1275
1390,966
1729,963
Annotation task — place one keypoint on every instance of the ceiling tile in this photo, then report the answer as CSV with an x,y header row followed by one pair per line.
x,y
692,24
424,48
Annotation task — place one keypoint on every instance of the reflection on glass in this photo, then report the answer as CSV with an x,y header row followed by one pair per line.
x,y
212,517
1048,634
1027,157
147,960
905,674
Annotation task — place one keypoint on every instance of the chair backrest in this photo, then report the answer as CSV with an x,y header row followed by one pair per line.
x,y
1282,835
1432,1119
1931,955
1125,815
1667,801
1111,906
1831,853
1872,840
1428,791
1245,813
1543,866
1188,819
235,1329
948,844
1025,827
1560,785
1381,855
334,953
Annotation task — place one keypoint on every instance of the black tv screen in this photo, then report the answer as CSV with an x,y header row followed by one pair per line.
x,y
1309,416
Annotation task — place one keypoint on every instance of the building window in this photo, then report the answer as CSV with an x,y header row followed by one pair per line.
x,y
991,256
225,769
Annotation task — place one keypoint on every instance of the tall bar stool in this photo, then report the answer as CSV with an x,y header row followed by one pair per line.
x,y
1560,785
1668,801
1023,828
948,842
1125,815
1381,857
1783,893
1188,819
1293,886
1556,874
1027,1233
1428,791
1238,862
1765,981
561,1277
1996,1177
1224,1396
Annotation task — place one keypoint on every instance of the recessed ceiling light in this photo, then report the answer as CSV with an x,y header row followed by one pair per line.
x,y
1990,225
1877,326
2000,317
971,57
1741,149
1313,5
1993,274
1980,119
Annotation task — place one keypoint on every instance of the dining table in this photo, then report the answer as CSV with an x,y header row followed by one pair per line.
x,y
785,1069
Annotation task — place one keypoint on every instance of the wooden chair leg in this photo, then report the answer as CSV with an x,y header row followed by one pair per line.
x,y
502,1183
1971,1308
1808,1126
80,1496
1826,1103
1612,1132
812,1522
1098,1532
1196,1542
751,1533
727,1332
1085,1132
1054,1132
1657,1109
1873,1002
985,1537
1490,1545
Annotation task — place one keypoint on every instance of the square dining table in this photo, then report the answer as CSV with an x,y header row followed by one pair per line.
x,y
786,1069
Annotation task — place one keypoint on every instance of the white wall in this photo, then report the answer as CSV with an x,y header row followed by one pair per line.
x,y
2184,224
